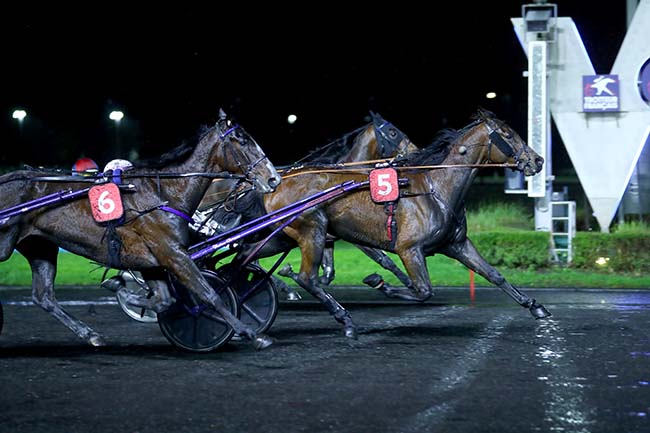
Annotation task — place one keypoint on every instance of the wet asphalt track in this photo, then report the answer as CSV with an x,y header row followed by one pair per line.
x,y
449,365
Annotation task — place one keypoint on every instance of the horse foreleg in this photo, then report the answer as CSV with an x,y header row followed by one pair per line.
x,y
41,255
467,254
291,294
332,305
311,243
189,275
416,265
387,263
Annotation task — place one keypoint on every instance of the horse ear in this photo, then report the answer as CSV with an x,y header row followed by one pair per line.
x,y
222,114
376,117
480,113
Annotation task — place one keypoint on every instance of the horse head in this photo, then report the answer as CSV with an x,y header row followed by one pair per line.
x,y
379,139
242,154
504,145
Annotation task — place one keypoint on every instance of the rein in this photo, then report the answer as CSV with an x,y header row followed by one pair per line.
x,y
95,179
402,168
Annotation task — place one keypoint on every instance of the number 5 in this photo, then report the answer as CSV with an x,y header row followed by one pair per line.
x,y
383,180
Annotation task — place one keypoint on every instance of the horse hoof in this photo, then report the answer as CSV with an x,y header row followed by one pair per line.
x,y
293,296
374,280
538,311
351,333
96,340
262,342
286,270
114,283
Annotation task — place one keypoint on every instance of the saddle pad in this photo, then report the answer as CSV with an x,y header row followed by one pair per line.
x,y
106,202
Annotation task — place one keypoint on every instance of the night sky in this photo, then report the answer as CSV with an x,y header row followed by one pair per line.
x,y
171,69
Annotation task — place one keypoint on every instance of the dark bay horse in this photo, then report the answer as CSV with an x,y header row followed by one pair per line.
x,y
154,235
377,140
430,213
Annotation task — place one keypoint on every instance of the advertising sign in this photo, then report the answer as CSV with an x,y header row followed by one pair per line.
x,y
600,93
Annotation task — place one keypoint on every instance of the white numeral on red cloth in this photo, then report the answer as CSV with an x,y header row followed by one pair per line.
x,y
106,202
384,185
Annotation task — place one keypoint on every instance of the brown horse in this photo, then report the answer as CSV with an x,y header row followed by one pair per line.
x,y
378,140
153,236
430,213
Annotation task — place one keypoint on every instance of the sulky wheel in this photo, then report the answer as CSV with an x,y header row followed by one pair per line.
x,y
191,325
258,302
134,284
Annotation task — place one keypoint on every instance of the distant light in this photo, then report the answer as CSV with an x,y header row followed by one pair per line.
x,y
19,115
490,95
116,115
292,119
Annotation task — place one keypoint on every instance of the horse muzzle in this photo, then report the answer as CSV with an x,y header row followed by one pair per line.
x,y
267,186
531,167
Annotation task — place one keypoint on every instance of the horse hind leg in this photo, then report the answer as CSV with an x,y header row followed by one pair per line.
x,y
332,305
41,255
375,280
468,255
415,263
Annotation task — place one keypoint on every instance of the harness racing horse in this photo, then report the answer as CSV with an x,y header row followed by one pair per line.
x,y
228,203
429,215
378,140
153,236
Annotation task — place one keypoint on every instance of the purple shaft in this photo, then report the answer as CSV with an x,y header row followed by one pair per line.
x,y
41,202
32,202
271,214
280,214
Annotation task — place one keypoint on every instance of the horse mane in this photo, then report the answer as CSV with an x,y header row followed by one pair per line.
x,y
176,155
482,115
434,153
330,153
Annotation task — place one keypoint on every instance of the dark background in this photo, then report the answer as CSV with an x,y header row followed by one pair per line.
x,y
171,69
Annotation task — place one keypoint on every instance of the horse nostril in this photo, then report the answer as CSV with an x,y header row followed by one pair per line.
x,y
273,182
539,161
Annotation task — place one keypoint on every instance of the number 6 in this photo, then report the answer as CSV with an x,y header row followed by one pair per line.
x,y
105,204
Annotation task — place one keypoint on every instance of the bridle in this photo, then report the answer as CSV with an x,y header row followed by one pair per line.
x,y
250,167
495,138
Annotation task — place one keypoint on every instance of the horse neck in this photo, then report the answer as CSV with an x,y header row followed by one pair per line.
x,y
185,193
456,181
365,147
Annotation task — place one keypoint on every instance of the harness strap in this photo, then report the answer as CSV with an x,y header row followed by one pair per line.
x,y
177,212
113,243
501,144
391,222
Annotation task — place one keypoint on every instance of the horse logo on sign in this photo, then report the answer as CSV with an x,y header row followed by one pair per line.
x,y
106,202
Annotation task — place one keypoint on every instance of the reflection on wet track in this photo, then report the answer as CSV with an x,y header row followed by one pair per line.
x,y
449,365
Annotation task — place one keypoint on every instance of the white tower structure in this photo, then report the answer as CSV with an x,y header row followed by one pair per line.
x,y
603,146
